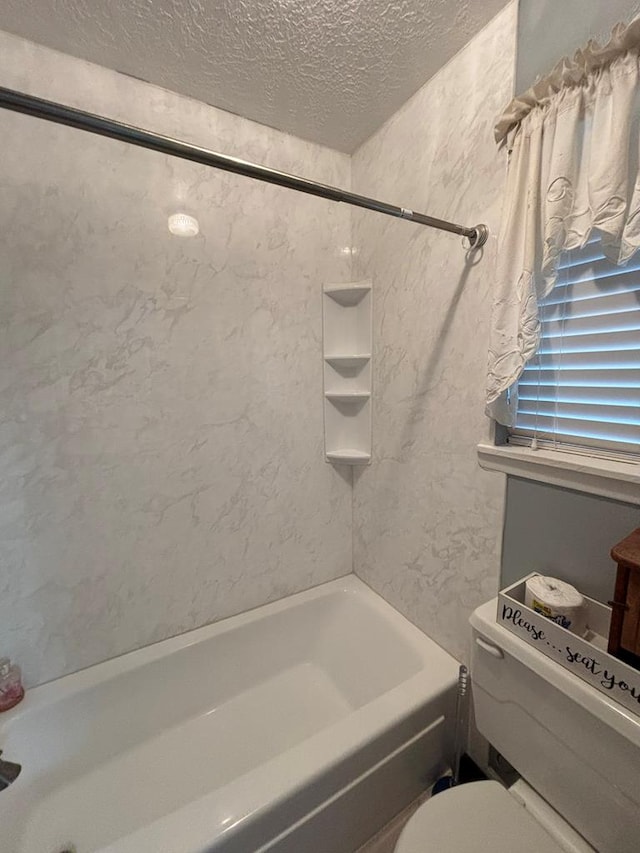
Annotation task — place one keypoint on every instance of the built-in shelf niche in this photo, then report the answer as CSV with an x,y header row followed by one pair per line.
x,y
347,350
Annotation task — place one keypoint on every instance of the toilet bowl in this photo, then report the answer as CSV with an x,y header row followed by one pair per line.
x,y
577,752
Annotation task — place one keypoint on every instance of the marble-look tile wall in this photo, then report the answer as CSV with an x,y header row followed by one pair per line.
x,y
161,432
427,520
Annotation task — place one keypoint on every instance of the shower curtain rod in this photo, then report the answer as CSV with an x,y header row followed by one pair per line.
x,y
61,114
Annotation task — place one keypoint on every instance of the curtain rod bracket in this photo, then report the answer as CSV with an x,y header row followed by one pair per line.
x,y
479,237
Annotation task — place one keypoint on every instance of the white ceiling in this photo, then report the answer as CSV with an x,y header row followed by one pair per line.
x,y
327,70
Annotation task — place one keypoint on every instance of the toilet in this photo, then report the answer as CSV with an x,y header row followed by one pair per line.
x,y
576,750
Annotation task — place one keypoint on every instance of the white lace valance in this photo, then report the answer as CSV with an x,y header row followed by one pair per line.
x,y
574,168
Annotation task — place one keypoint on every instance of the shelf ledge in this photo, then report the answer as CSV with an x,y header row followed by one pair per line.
x,y
347,397
347,361
608,478
348,457
347,295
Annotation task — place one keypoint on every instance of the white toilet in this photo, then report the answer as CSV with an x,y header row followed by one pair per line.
x,y
578,753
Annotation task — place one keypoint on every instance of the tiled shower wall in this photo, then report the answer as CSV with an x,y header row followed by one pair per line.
x,y
160,398
427,519
161,456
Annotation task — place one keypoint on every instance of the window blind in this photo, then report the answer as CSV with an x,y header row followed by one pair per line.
x,y
582,389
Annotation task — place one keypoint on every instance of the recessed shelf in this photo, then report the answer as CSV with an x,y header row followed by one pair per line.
x,y
347,295
347,362
349,457
347,397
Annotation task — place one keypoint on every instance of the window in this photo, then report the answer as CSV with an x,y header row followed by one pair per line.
x,y
581,392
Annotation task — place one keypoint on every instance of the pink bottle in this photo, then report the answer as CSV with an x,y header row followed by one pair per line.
x,y
11,689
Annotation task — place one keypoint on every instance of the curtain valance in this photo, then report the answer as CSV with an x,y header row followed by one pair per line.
x,y
574,169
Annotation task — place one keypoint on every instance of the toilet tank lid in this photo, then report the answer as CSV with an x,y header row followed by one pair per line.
x,y
626,723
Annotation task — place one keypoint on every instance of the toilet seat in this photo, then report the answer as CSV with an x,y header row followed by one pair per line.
x,y
479,816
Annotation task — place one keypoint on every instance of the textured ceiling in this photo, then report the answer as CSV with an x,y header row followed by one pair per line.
x,y
327,70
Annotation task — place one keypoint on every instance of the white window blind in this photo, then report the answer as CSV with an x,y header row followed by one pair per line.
x,y
582,389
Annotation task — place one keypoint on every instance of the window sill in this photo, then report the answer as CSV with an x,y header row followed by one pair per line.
x,y
619,481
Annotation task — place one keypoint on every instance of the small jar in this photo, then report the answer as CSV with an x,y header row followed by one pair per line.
x,y
11,689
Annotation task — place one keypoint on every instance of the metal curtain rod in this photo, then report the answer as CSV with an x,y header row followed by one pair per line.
x,y
52,111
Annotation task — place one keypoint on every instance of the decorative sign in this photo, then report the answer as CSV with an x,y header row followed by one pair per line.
x,y
599,669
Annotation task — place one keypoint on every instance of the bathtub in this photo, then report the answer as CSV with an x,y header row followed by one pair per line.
x,y
300,727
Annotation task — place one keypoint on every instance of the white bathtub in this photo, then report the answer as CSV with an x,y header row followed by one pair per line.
x,y
300,727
